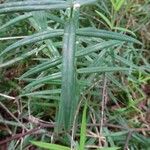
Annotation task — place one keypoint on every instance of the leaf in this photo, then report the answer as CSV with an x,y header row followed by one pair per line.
x,y
23,56
84,2
119,4
43,80
32,6
50,146
40,23
126,62
48,97
96,47
85,51
104,18
68,96
124,30
90,32
101,69
56,18
113,3
109,148
44,92
29,3
41,67
83,129
113,80
14,21
33,38
39,5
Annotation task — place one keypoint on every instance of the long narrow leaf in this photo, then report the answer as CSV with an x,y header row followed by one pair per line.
x,y
43,80
34,38
85,2
119,4
101,69
44,92
29,3
106,35
83,129
41,67
14,21
23,56
68,96
32,6
96,47
50,146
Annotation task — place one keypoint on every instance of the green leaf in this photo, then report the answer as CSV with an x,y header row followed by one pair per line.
x,y
124,30
41,67
109,148
14,21
43,80
44,92
101,69
119,4
84,2
96,47
34,38
68,96
113,80
83,129
48,97
126,62
50,146
23,56
40,23
90,32
113,3
105,19
31,2
85,51
32,5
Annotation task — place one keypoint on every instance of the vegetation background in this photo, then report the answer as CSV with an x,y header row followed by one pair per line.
x,y
75,74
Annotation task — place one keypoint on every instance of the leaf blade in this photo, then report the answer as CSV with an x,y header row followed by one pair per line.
x,y
50,146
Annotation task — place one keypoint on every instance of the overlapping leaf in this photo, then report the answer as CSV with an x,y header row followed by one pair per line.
x,y
32,6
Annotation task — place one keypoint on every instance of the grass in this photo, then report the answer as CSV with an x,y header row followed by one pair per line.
x,y
61,57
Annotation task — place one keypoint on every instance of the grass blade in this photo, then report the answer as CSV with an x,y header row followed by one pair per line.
x,y
44,92
34,38
41,67
110,148
50,146
119,4
30,3
102,69
90,32
85,2
83,129
105,19
32,6
14,21
23,56
43,80
96,47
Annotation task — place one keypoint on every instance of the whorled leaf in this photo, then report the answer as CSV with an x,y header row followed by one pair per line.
x,y
83,52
